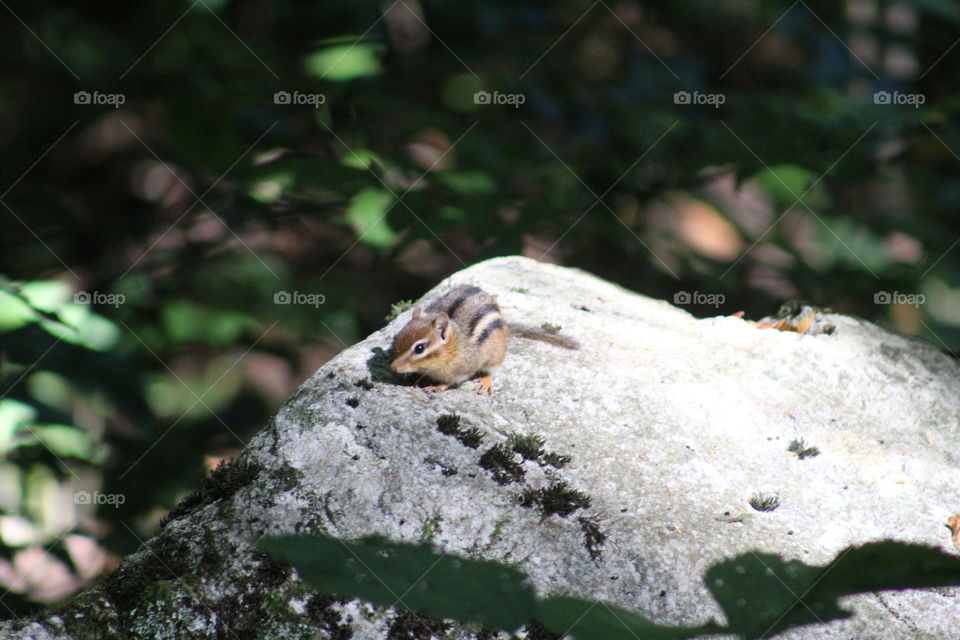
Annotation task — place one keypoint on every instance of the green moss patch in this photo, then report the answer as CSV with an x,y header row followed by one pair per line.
x,y
498,460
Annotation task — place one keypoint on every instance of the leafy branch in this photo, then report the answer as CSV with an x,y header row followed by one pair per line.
x,y
761,594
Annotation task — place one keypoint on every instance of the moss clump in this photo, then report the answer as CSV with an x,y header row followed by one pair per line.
x,y
593,536
169,609
561,499
764,502
529,498
364,384
556,498
353,402
556,460
260,596
211,559
327,619
449,425
167,560
285,477
226,479
270,573
397,308
800,448
530,447
414,626
498,460
249,609
185,507
90,615
231,475
445,469
536,631
471,437
163,592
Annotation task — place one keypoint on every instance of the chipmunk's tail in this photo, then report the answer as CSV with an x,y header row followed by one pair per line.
x,y
536,333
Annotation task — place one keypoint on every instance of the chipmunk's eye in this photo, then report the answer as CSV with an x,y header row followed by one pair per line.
x,y
419,348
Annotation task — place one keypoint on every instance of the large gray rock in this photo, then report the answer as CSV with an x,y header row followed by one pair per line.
x,y
671,424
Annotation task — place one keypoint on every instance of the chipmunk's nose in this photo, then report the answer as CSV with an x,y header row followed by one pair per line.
x,y
400,367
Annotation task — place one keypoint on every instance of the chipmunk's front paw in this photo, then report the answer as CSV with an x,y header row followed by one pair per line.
x,y
486,384
436,387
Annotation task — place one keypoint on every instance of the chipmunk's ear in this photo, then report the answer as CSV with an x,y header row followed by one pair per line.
x,y
442,324
417,310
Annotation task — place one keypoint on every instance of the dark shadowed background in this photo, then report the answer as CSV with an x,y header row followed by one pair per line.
x,y
204,201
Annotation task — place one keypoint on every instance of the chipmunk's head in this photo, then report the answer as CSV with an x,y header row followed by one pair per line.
x,y
421,344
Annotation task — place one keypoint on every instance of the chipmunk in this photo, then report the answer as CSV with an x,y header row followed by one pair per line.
x,y
460,335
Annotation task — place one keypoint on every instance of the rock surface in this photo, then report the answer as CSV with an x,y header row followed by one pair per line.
x,y
671,425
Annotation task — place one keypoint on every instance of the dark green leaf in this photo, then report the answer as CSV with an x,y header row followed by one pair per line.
x,y
410,576
586,620
763,595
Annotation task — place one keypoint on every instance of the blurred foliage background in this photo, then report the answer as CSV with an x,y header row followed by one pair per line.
x,y
203,202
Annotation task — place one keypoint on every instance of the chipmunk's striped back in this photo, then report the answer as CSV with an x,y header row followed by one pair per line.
x,y
473,310
460,335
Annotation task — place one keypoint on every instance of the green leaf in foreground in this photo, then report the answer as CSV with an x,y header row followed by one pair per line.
x,y
586,620
756,590
763,595
410,576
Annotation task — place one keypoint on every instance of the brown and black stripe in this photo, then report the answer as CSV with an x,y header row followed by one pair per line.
x,y
475,312
459,298
485,323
